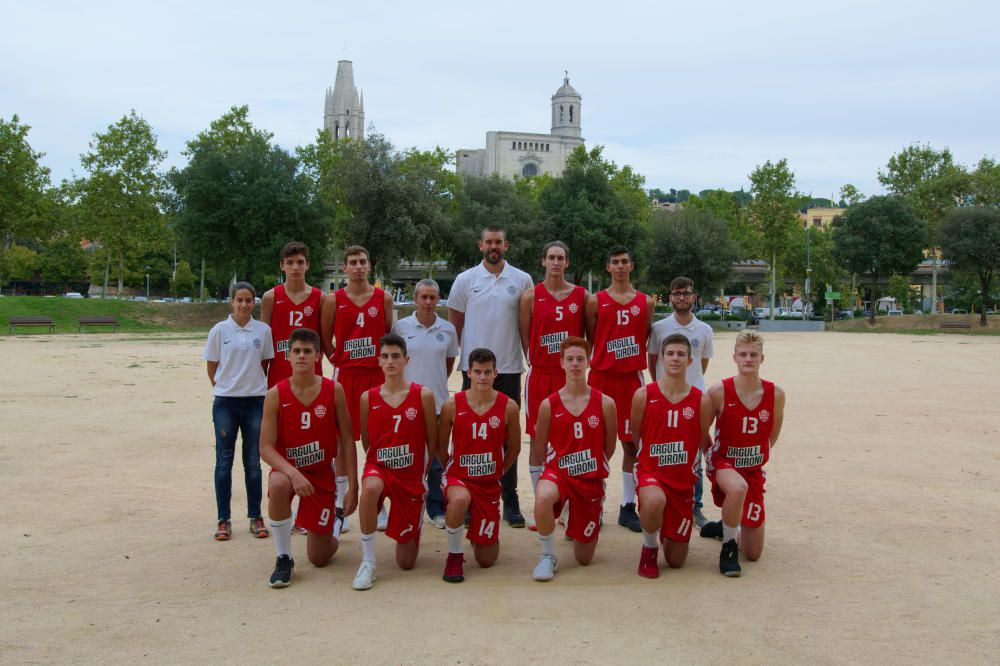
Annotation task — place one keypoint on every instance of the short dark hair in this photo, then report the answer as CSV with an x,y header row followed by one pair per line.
x,y
619,249
555,243
574,341
675,339
293,248
240,286
352,250
681,283
305,335
393,340
482,355
493,228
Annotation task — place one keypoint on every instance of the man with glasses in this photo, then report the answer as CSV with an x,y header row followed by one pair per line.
x,y
699,333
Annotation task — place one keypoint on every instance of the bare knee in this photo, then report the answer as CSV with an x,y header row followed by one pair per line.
x,y
279,484
406,558
486,561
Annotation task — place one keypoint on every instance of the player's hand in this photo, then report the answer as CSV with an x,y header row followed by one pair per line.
x,y
351,500
301,485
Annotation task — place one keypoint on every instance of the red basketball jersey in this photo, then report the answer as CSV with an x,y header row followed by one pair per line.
x,y
670,438
397,436
307,434
576,443
620,334
477,441
553,321
286,316
357,330
743,436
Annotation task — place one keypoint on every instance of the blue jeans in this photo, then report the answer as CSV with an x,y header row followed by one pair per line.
x,y
435,496
699,487
230,415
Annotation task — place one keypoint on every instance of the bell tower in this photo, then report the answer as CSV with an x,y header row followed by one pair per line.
x,y
566,110
344,112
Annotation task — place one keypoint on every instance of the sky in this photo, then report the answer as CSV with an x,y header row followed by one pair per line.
x,y
691,95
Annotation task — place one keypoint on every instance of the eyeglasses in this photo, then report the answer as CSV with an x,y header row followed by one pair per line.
x,y
682,294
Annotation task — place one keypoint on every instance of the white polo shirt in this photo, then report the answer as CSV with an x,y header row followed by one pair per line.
x,y
429,348
697,332
491,307
239,351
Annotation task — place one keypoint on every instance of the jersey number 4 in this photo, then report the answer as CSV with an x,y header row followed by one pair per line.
x,y
361,320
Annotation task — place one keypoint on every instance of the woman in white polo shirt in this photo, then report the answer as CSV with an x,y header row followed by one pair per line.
x,y
236,354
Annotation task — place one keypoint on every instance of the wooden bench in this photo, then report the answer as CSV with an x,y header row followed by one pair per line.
x,y
956,325
30,321
99,321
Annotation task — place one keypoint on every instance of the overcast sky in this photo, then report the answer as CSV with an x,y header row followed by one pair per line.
x,y
692,96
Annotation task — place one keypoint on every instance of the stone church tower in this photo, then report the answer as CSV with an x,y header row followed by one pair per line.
x,y
566,111
344,113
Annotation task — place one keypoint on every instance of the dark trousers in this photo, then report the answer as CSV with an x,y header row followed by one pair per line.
x,y
510,385
231,416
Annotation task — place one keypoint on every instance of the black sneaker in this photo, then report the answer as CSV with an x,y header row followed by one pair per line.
x,y
282,576
512,511
712,530
729,559
627,517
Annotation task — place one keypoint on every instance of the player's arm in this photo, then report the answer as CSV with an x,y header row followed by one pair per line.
x,y
707,353
706,416
717,395
525,306
347,450
590,315
513,417
430,420
536,456
267,306
388,306
652,352
650,314
779,414
445,422
268,452
327,313
449,365
457,320
638,412
610,426
211,367
363,410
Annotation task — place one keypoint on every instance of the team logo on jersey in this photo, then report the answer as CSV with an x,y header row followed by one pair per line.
x,y
764,415
593,421
439,337
320,411
308,310
634,310
372,311
494,422
256,343
688,413
574,308
511,290
695,343
411,413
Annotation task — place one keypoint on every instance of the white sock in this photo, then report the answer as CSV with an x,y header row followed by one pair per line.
x,y
341,491
628,488
281,531
368,547
337,525
535,471
730,533
548,546
649,539
454,539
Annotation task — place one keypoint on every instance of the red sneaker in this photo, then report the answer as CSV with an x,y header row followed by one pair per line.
x,y
648,565
257,528
453,572
224,531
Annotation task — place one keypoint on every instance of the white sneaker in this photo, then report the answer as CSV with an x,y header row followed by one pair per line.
x,y
546,568
437,521
383,520
365,578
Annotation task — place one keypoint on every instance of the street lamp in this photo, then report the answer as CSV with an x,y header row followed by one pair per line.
x,y
147,282
805,306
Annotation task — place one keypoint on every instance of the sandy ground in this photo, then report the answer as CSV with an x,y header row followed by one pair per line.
x,y
881,494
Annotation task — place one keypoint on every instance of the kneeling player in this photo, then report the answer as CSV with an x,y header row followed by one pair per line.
x,y
672,419
744,436
399,431
482,424
578,426
303,417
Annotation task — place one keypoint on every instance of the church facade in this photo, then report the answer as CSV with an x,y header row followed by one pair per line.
x,y
344,111
522,154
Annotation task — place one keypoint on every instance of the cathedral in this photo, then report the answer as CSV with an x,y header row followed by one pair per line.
x,y
344,112
522,154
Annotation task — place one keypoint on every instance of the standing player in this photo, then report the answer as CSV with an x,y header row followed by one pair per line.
x,y
484,305
749,412
399,433
550,313
485,430
618,323
289,306
683,321
303,417
354,319
576,425
672,419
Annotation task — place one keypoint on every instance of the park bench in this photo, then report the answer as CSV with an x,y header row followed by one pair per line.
x,y
30,321
956,325
99,321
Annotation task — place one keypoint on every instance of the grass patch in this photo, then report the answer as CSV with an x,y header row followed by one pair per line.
x,y
133,317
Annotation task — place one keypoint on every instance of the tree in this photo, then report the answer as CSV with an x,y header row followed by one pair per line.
x,y
818,245
63,261
880,237
692,243
774,212
986,183
23,181
727,206
120,199
933,184
899,289
18,263
850,195
183,282
970,238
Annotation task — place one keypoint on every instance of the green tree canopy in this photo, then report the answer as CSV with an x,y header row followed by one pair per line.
x,y
23,181
693,243
970,238
728,206
774,212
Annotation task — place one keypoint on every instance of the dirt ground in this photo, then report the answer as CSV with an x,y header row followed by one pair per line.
x,y
880,498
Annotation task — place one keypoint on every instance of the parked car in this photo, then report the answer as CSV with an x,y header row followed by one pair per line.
x,y
169,299
184,299
895,313
73,294
959,311
140,299
211,300
845,314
